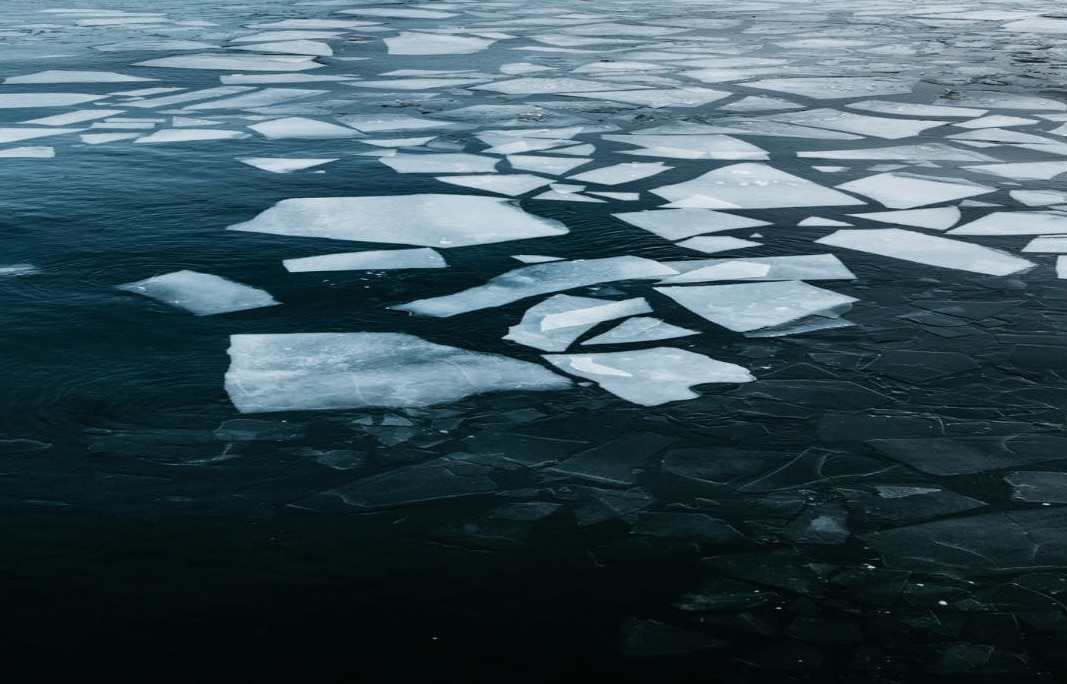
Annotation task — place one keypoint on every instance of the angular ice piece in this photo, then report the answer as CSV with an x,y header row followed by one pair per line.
x,y
541,164
908,109
795,267
1047,245
620,196
300,127
621,173
412,43
941,218
1023,170
650,377
821,222
323,371
995,121
202,294
1061,267
535,258
530,281
29,152
657,98
284,165
290,47
59,76
640,329
425,220
558,321
377,260
398,142
74,117
755,103
101,138
756,186
835,87
33,100
383,123
560,196
877,126
715,244
458,162
751,306
1039,198
263,98
234,62
262,79
399,13
908,190
192,96
677,224
548,86
917,153
171,135
511,185
1000,100
1015,223
928,249
692,146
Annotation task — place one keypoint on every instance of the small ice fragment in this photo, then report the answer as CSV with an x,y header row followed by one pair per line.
x,y
650,377
1061,267
398,142
727,270
234,62
284,165
821,222
755,103
714,244
266,97
59,76
691,146
750,306
940,218
928,249
793,267
640,329
559,320
621,173
377,260
677,224
172,135
1023,170
620,196
511,185
28,152
459,162
34,100
1015,223
300,127
101,138
202,294
535,258
16,270
756,186
1048,244
417,43
907,190
551,165
995,121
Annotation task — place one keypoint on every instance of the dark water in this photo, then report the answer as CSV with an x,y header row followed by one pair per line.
x,y
767,532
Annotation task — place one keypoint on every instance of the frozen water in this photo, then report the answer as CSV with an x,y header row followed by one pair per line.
x,y
832,88
59,76
621,173
16,134
180,98
319,371
202,294
916,153
677,224
530,281
377,260
877,126
234,62
426,220
1039,198
548,86
940,218
29,152
756,186
909,109
657,98
1023,170
542,164
284,165
907,190
180,135
691,146
34,100
714,244
503,184
640,329
389,123
398,13
799,267
995,121
752,306
1047,245
74,117
300,127
1015,223
290,47
411,43
928,249
459,162
650,377
558,321
263,98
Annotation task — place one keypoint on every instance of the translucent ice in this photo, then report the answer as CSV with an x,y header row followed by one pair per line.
x,y
928,249
321,371
677,224
907,190
877,126
756,186
375,260
650,377
202,294
640,329
558,321
752,306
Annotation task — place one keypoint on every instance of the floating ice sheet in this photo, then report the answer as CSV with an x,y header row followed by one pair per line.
x,y
16,134
33,100
928,249
512,185
1039,198
677,224
714,244
909,109
940,218
1047,245
650,377
59,76
794,267
300,127
389,123
558,321
907,190
530,281
234,62
831,88
877,126
756,186
548,86
542,164
180,135
1015,223
691,146
1023,170
262,98
458,162
752,306
323,371
290,47
657,98
285,165
202,294
372,260
917,153
29,152
621,173
640,329
412,43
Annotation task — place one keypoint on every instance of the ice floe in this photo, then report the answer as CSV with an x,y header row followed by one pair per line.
x,y
926,249
458,162
511,185
371,260
939,218
33,100
28,152
558,321
417,43
908,190
202,294
234,62
677,224
1015,223
60,76
640,329
285,165
756,186
1023,170
831,88
621,173
300,127
796,267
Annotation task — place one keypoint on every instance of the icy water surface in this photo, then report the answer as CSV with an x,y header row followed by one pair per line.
x,y
508,342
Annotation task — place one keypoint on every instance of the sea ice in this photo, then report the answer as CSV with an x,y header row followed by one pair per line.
x,y
1047,245
640,329
290,47
29,152
558,321
1039,198
300,127
691,146
650,377
793,267
58,76
914,153
411,43
621,173
548,86
908,109
530,281
511,185
389,123
831,88
877,126
178,135
425,220
34,100
751,306
375,260
1015,223
907,190
284,165
202,294
234,62
657,98
323,371
928,249
542,164
180,98
458,162
939,218
263,98
74,117
16,134
713,244
398,13
756,186
677,224
1023,170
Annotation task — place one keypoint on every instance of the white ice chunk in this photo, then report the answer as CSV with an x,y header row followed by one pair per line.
x,y
530,281
1023,170
621,173
877,126
907,190
59,76
939,218
29,152
16,134
262,79
558,321
714,244
918,153
516,68
459,162
511,185
399,13
928,249
535,258
756,186
793,267
202,294
180,98
677,224
285,165
33,100
398,142
821,222
751,306
1016,223
101,138
692,146
908,109
161,45
754,103
180,135
542,164
268,36
423,220
650,377
290,47
1061,267
831,87
389,123
1047,244
548,86
657,98
561,196
324,371
1039,198
640,329
415,43
74,117
263,98
620,196
375,260
300,127
995,121
234,62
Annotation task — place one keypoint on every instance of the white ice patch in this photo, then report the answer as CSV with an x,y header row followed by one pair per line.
x,y
373,260
657,98
916,153
994,121
29,152
558,321
290,47
877,126
1039,198
181,135
640,329
1047,244
677,224
74,117
752,306
300,127
427,220
234,62
939,218
511,185
202,294
1023,170
285,165
908,109
551,165
412,43
59,76
324,371
831,88
621,173
34,100
549,86
390,123
530,281
1016,223
715,244
398,13
756,186
650,377
263,98
458,162
793,267
691,146
16,134
928,249
907,190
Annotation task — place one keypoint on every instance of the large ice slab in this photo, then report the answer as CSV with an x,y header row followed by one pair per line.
x,y
234,62
793,267
31,100
510,184
181,135
678,224
203,294
301,127
650,377
925,152
621,173
425,220
538,279
558,321
1015,223
373,260
753,306
640,329
323,371
457,162
1023,170
755,186
691,146
413,43
834,87
862,124
932,250
908,190
60,76
657,98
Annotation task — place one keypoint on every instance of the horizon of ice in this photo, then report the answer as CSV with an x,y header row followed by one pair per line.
x,y
202,294
555,323
371,260
425,220
329,371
